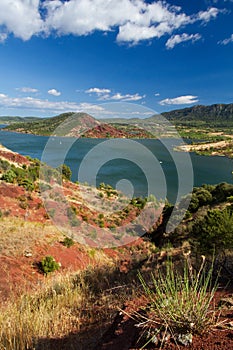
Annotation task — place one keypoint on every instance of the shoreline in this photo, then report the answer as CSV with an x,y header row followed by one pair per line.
x,y
220,148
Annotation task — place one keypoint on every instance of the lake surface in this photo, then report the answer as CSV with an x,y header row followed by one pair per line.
x,y
115,167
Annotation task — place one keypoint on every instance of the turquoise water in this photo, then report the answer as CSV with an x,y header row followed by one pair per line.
x,y
209,170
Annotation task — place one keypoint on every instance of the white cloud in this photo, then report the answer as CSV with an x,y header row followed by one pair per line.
x,y
226,41
21,17
181,100
98,91
27,89
206,16
31,103
179,38
106,94
3,37
119,97
157,94
54,92
134,20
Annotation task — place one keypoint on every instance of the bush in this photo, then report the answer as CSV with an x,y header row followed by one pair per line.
x,y
27,184
9,176
204,196
66,171
4,165
68,242
139,202
48,264
222,191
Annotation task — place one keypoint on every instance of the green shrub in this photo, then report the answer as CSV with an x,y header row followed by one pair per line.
x,y
222,191
139,202
100,194
230,199
27,184
9,176
66,171
48,264
101,224
68,242
204,196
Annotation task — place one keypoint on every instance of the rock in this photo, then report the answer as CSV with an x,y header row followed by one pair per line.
x,y
185,339
27,254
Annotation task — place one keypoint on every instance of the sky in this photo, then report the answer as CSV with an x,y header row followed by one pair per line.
x,y
58,56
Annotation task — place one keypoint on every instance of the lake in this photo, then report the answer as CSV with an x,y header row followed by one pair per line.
x,y
207,170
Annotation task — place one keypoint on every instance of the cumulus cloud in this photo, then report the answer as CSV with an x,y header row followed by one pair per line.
x,y
27,90
179,38
21,17
181,100
134,20
46,105
226,41
206,16
54,92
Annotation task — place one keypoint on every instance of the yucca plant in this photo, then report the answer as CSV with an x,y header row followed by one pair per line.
x,y
180,303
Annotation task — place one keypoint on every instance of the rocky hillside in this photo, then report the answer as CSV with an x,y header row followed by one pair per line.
x,y
78,125
40,193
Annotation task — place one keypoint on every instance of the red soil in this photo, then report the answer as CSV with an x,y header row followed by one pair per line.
x,y
13,157
107,130
17,202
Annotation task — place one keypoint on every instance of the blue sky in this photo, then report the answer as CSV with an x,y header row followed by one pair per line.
x,y
74,55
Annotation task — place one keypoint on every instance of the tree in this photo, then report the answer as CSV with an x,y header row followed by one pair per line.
x,y
214,232
66,171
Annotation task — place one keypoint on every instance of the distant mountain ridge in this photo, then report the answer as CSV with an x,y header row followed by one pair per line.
x,y
216,114
17,119
213,113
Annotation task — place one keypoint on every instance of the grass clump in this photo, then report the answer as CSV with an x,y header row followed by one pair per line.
x,y
180,304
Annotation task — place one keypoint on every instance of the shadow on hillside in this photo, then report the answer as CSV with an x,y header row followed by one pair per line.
x,y
83,340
